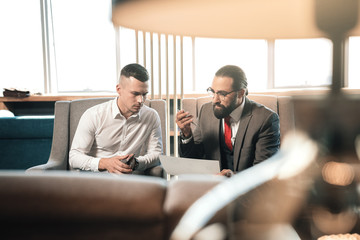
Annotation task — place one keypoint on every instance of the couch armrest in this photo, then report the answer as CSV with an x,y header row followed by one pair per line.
x,y
46,166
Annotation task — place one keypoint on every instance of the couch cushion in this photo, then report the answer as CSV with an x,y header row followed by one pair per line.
x,y
23,153
25,141
269,101
26,127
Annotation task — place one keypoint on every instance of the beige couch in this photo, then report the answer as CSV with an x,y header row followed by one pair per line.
x,y
68,113
67,116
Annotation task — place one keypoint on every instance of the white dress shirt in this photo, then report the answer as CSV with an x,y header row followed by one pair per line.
x,y
104,132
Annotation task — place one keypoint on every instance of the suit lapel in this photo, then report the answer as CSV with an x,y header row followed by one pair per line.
x,y
244,122
209,132
216,132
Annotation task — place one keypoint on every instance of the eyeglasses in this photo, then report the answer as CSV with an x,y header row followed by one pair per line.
x,y
221,94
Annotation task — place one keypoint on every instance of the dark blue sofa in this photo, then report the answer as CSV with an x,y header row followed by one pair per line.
x,y
25,141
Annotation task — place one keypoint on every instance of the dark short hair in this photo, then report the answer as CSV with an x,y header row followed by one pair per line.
x,y
237,74
135,70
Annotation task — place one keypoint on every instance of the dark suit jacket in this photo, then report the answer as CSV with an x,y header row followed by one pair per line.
x,y
257,139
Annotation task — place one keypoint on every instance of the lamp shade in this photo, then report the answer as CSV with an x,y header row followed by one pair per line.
x,y
246,19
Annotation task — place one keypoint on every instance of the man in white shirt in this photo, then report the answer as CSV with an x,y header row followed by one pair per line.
x,y
110,133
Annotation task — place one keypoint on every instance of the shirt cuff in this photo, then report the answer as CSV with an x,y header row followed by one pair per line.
x,y
142,166
94,165
185,140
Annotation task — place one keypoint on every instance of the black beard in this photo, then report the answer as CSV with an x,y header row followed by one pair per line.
x,y
223,111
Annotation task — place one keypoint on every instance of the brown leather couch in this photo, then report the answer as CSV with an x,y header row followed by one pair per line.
x,y
79,205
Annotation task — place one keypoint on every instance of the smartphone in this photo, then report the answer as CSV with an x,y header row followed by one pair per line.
x,y
130,161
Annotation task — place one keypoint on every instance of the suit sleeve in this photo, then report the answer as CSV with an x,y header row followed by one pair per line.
x,y
191,149
268,142
194,148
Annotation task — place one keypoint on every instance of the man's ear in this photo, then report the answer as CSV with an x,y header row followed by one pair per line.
x,y
118,88
241,93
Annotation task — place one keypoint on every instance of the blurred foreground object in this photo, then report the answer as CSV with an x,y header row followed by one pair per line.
x,y
256,19
268,196
334,123
312,182
354,236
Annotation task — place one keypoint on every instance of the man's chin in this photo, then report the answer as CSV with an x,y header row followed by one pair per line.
x,y
136,109
219,114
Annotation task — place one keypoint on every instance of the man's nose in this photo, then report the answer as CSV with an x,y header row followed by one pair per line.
x,y
216,98
140,98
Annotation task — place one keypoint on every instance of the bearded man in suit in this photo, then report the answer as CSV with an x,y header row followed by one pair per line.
x,y
232,129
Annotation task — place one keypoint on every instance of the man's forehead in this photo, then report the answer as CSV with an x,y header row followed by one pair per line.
x,y
222,83
136,86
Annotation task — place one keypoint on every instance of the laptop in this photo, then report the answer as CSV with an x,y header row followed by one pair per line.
x,y
178,165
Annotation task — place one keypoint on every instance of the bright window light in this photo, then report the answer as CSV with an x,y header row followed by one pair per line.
x,y
303,63
21,59
83,53
212,54
85,50
354,59
127,44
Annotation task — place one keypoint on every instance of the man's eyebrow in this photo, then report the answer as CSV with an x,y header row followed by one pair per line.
x,y
220,91
139,93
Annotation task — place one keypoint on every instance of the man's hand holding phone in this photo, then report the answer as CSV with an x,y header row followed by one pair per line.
x,y
183,120
118,164
131,161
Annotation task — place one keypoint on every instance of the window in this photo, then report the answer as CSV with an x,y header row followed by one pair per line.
x,y
303,63
354,59
85,50
21,59
212,54
84,56
127,43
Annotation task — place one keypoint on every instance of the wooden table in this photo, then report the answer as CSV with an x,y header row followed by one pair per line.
x,y
34,102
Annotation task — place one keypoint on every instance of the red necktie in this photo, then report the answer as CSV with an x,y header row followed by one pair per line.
x,y
228,133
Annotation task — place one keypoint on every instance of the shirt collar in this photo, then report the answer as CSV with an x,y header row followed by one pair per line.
x,y
236,113
116,111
